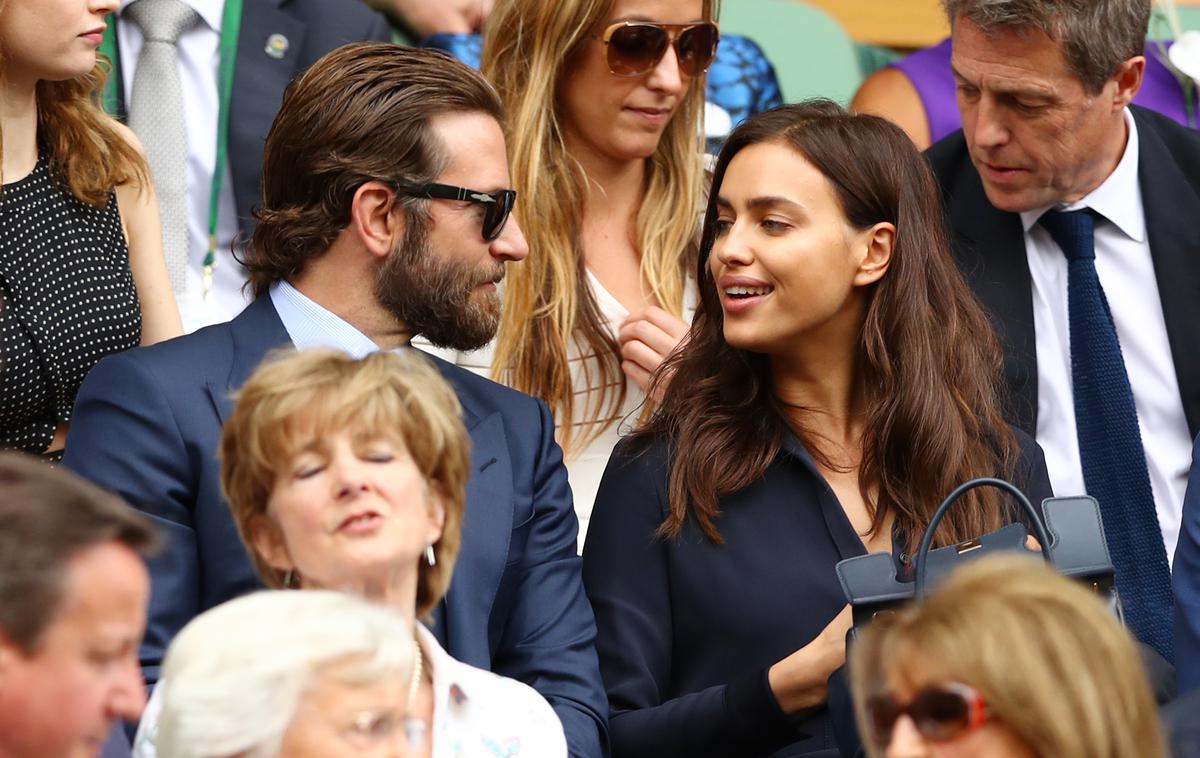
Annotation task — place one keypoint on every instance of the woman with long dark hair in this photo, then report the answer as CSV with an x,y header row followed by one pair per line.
x,y
841,381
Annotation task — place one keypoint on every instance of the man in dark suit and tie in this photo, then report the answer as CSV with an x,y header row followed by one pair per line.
x,y
385,214
1075,218
264,44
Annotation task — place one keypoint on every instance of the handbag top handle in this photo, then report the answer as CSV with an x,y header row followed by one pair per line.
x,y
1035,518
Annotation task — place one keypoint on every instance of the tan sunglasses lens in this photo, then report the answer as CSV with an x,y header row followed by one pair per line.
x,y
634,50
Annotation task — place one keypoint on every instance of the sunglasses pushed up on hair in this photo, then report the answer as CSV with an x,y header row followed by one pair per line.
x,y
636,47
940,713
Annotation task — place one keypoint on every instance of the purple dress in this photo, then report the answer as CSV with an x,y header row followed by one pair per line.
x,y
929,71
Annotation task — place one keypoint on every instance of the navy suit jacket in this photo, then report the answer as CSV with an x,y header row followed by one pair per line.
x,y
989,245
312,29
147,424
1185,579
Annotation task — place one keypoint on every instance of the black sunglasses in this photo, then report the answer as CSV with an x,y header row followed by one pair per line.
x,y
496,205
636,47
940,713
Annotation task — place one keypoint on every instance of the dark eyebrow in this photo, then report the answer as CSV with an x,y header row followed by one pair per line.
x,y
765,202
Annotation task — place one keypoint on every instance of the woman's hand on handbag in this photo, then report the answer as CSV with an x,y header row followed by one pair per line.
x,y
799,681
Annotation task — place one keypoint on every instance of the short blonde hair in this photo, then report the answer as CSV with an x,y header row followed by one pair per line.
x,y
295,396
1050,660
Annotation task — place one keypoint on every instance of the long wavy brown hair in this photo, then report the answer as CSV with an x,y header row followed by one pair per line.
x,y
528,48
82,143
928,362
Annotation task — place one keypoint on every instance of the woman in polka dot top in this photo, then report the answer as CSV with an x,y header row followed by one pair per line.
x,y
81,264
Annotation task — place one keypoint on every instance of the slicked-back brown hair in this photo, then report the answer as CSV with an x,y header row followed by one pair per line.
x,y
360,113
297,396
928,360
47,516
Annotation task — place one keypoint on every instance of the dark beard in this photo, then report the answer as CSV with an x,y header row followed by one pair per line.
x,y
436,298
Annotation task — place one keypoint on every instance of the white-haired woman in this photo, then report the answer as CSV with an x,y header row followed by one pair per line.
x,y
291,674
351,475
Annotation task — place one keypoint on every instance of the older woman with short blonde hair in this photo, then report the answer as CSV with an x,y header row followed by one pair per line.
x,y
306,396
350,474
1007,658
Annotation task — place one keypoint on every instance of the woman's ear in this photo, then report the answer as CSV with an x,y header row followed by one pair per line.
x,y
436,512
269,543
877,244
375,218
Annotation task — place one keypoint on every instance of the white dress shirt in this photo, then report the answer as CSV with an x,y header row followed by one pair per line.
x,y
1126,273
199,57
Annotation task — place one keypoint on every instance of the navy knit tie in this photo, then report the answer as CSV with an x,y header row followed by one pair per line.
x,y
1110,443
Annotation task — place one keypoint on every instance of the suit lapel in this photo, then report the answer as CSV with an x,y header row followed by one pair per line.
x,y
1172,207
487,529
992,256
255,332
259,80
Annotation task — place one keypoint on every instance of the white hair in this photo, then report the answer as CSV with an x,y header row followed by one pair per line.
x,y
235,675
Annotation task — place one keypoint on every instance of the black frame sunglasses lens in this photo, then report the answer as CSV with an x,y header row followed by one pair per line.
x,y
496,214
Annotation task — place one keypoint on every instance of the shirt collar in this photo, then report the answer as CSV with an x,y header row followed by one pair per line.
x,y
1118,198
447,685
312,325
210,11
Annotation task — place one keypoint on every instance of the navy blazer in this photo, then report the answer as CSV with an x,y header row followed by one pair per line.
x,y
312,28
147,424
1185,580
989,246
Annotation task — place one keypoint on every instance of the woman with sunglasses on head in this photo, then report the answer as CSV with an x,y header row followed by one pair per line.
x,y
351,475
604,101
81,264
1007,659
840,383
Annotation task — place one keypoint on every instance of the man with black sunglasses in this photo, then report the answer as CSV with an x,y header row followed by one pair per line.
x,y
385,214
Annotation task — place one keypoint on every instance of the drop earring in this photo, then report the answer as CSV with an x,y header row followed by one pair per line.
x,y
430,557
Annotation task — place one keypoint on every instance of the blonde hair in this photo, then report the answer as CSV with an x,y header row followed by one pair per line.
x,y
295,396
547,301
1050,660
83,144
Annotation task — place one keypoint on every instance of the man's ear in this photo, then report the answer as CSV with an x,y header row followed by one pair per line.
x,y
877,245
268,543
1129,81
376,220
